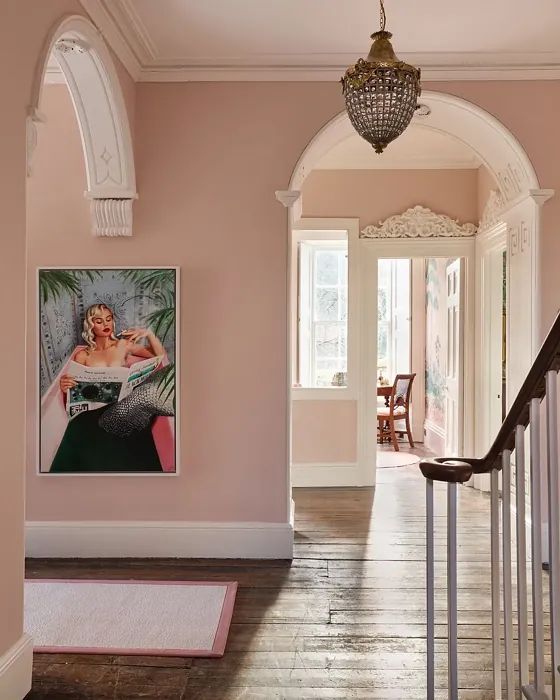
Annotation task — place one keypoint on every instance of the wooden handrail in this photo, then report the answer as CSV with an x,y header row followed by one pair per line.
x,y
460,470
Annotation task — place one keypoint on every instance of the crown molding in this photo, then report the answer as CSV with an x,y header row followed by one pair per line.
x,y
112,34
306,73
125,32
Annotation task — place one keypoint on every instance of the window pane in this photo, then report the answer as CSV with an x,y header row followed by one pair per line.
x,y
327,340
382,343
326,304
323,313
326,370
326,265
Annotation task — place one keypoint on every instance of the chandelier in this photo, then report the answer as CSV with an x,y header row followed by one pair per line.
x,y
381,92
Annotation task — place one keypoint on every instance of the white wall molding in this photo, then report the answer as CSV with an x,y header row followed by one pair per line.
x,y
76,45
112,33
320,475
15,669
229,540
418,222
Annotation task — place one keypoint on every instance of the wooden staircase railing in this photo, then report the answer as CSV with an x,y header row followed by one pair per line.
x,y
525,413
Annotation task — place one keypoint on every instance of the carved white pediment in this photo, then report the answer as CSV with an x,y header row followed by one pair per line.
x,y
492,210
419,222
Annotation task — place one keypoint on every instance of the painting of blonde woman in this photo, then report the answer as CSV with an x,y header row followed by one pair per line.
x,y
107,379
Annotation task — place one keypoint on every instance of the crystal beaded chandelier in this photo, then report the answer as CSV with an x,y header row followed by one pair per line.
x,y
381,92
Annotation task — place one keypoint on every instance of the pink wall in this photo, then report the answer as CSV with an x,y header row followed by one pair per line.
x,y
32,20
374,195
206,204
324,432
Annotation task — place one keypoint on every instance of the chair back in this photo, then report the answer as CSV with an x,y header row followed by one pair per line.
x,y
402,388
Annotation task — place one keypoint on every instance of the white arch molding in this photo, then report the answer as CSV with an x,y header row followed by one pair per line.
x,y
517,202
94,86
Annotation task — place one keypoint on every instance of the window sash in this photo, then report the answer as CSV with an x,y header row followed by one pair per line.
x,y
311,366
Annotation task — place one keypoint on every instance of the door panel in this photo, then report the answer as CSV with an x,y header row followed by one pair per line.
x,y
454,360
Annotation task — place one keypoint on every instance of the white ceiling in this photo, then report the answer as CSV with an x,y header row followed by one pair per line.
x,y
419,147
317,39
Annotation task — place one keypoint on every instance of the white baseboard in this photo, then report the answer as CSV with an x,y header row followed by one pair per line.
x,y
160,539
15,669
320,475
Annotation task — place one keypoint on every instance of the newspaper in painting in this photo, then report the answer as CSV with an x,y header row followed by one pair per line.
x,y
99,386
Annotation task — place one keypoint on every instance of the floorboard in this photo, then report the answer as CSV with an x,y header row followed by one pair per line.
x,y
344,620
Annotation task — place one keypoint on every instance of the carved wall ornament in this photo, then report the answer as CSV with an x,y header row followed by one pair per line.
x,y
419,222
492,211
510,180
111,217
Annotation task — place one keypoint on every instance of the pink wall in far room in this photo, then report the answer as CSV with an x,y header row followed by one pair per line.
x,y
322,432
374,195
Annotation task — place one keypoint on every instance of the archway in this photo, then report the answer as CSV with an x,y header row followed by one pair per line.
x,y
516,202
80,52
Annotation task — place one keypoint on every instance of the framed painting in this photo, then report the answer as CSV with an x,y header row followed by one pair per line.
x,y
107,365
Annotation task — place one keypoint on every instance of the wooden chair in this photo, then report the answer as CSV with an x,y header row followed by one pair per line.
x,y
398,410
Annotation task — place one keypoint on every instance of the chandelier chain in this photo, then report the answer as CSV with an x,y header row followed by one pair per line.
x,y
382,16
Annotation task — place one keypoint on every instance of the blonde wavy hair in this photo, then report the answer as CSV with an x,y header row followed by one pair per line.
x,y
87,333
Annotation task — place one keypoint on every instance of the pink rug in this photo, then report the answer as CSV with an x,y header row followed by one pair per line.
x,y
151,618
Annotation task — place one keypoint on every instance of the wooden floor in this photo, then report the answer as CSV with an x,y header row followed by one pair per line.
x,y
344,620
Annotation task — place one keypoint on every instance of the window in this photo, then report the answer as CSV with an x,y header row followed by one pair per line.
x,y
322,313
393,317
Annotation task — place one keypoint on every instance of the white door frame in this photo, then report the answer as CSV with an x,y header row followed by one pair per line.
x,y
488,242
455,358
370,251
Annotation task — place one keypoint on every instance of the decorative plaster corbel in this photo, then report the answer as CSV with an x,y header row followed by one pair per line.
x,y
288,197
111,216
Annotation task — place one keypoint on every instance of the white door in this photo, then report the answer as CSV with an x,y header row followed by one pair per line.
x,y
496,343
454,360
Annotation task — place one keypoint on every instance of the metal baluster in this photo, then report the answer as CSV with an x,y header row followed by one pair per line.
x,y
522,622
495,573
430,575
536,546
453,680
506,542
553,525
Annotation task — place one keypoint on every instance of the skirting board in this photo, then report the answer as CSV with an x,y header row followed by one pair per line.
x,y
320,475
160,539
15,669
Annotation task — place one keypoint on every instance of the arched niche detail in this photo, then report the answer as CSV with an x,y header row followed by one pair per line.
x,y
91,76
